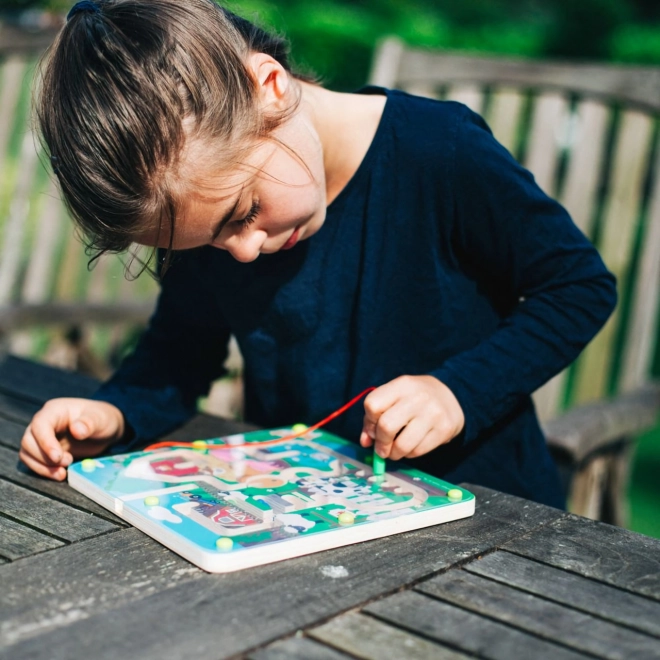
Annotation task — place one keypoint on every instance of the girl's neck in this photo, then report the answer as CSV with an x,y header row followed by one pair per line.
x,y
345,125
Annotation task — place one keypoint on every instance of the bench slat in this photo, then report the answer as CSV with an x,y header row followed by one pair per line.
x,y
595,550
464,630
568,589
565,625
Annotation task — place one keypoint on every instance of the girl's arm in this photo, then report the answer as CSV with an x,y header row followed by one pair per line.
x,y
534,263
181,352
545,279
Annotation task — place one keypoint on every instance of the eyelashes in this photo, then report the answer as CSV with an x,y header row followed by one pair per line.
x,y
250,217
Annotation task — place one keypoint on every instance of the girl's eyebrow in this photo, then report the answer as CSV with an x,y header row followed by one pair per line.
x,y
227,216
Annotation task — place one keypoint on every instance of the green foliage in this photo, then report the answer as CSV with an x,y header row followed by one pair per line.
x,y
335,38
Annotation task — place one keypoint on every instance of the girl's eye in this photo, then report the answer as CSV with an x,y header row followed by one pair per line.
x,y
249,218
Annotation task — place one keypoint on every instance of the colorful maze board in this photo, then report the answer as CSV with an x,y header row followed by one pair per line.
x,y
231,503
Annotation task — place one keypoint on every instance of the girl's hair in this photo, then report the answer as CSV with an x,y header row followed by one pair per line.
x,y
125,86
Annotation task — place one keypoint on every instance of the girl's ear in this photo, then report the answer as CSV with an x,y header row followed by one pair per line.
x,y
272,79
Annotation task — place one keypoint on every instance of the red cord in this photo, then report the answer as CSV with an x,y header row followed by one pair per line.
x,y
323,422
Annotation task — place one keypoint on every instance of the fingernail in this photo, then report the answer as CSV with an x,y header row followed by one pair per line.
x,y
80,428
55,456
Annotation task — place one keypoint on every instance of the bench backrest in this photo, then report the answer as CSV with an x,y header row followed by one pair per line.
x,y
44,277
589,135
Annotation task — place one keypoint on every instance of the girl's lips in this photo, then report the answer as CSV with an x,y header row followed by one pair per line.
x,y
293,239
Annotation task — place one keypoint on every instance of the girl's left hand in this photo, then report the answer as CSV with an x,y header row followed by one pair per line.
x,y
410,416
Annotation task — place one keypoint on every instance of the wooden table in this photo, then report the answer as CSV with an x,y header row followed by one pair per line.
x,y
517,580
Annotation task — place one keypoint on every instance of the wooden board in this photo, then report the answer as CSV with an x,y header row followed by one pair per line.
x,y
297,648
603,552
464,630
131,624
18,541
364,637
12,470
570,627
569,589
48,516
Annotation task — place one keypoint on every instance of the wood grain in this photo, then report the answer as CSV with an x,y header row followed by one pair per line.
x,y
569,589
297,648
554,622
603,552
283,597
49,516
364,637
464,630
18,541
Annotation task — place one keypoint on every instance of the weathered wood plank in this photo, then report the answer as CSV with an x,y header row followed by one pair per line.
x,y
364,637
554,622
622,208
18,541
47,591
18,410
14,471
635,85
504,116
470,95
570,589
283,597
592,427
464,630
610,554
642,335
11,433
37,383
297,648
46,515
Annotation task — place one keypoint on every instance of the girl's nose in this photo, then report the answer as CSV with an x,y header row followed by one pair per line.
x,y
246,248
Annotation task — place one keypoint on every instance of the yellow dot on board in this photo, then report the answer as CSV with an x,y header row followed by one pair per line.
x,y
199,444
151,500
298,428
455,495
88,465
346,518
224,544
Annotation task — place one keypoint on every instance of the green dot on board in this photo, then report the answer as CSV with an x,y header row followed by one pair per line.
x,y
379,465
346,518
455,494
298,428
88,465
151,500
224,544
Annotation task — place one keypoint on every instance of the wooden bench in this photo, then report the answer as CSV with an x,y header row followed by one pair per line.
x,y
588,133
46,290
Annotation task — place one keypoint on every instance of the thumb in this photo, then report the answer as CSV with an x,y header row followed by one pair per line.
x,y
81,428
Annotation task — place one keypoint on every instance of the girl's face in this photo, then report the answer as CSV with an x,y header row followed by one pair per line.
x,y
274,200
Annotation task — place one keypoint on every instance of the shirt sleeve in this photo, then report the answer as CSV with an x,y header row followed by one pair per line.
x,y
181,352
544,276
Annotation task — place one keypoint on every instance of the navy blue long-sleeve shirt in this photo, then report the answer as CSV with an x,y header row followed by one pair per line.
x,y
440,256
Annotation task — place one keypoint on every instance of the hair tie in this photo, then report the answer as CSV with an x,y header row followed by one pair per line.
x,y
83,5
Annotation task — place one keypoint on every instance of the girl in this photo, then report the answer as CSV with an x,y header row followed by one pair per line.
x,y
346,240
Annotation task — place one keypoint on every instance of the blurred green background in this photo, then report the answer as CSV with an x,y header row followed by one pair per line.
x,y
336,39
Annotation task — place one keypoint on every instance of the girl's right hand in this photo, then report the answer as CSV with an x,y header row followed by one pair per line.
x,y
68,429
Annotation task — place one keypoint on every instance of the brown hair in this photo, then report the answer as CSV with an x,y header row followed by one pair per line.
x,y
114,91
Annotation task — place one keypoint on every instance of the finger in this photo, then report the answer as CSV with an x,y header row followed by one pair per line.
x,y
93,422
57,473
390,424
88,448
31,447
409,439
366,440
44,433
380,400
431,441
